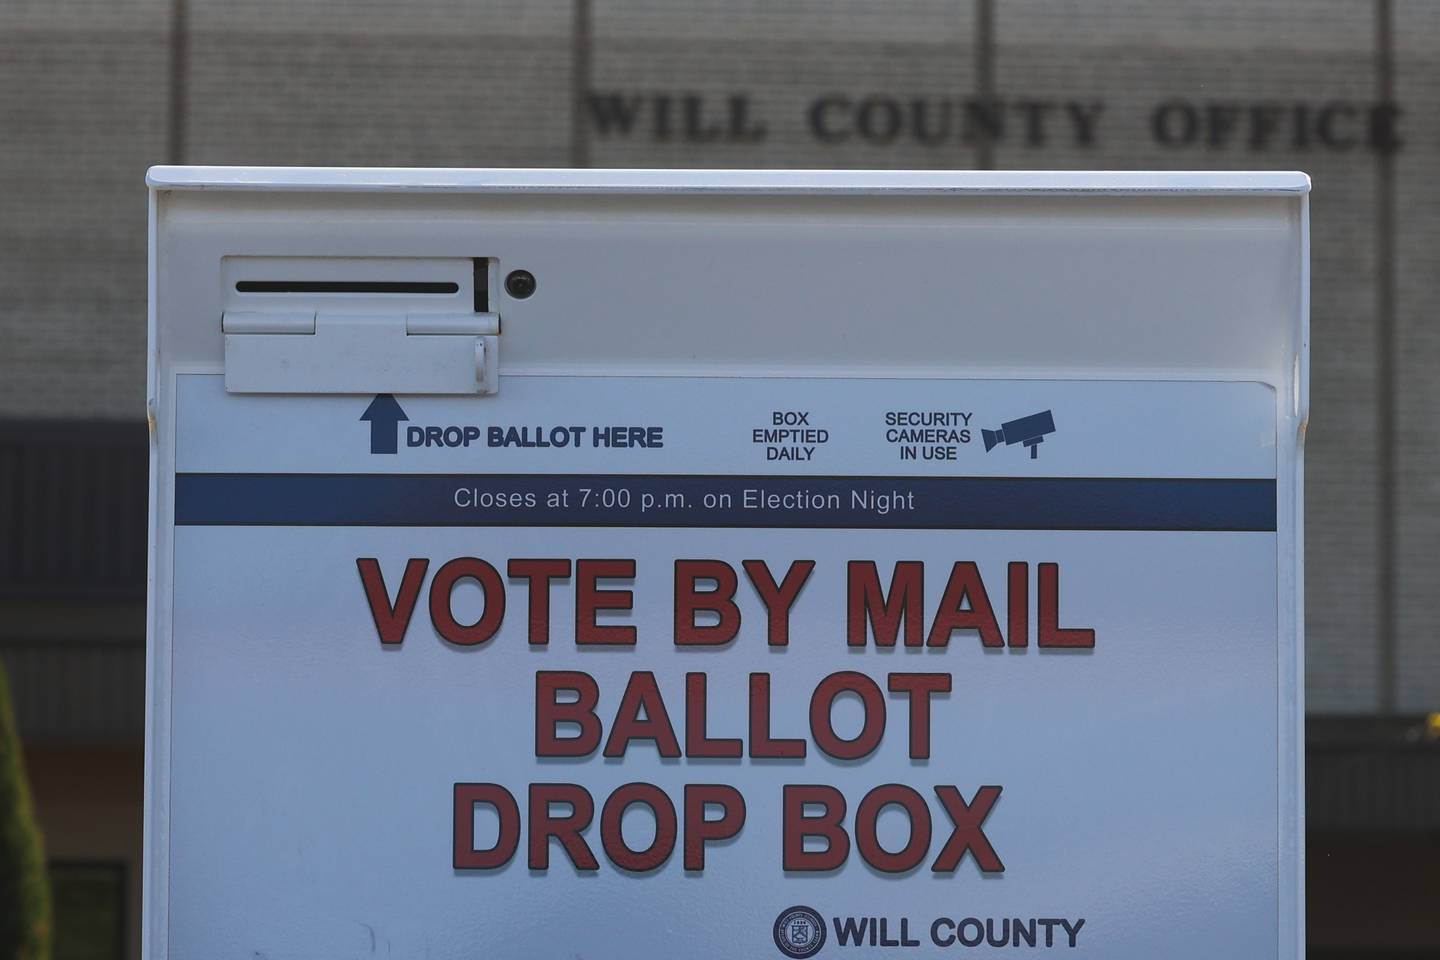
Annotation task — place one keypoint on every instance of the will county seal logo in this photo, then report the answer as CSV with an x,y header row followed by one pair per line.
x,y
799,932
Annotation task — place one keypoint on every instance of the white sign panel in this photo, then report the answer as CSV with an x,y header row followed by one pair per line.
x,y
754,662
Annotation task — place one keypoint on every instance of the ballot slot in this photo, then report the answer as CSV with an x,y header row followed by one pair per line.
x,y
359,325
366,284
346,286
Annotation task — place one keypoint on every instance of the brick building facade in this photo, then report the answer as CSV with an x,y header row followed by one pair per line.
x,y
97,90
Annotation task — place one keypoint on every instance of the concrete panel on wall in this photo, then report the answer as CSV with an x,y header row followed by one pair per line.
x,y
1417,359
1247,86
433,83
754,85
82,117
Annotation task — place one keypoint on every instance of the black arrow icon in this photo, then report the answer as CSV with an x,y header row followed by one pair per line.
x,y
384,415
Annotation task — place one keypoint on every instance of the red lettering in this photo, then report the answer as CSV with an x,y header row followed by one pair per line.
x,y
761,744
778,599
919,687
697,743
1018,602
566,829
642,695
1051,633
826,825
442,589
965,586
698,830
538,575
720,601
391,620
550,712
869,607
872,730
867,817
467,797
612,833
590,600
967,835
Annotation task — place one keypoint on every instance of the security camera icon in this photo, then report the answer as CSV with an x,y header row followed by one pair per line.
x,y
1029,431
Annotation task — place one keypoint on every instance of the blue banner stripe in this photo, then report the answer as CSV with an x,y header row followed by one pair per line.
x,y
621,500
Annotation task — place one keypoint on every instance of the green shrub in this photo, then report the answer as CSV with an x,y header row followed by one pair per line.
x,y
24,888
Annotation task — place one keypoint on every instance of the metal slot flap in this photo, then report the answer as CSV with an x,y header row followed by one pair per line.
x,y
327,325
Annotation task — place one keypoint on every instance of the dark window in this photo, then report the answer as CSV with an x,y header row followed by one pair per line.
x,y
73,505
89,910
